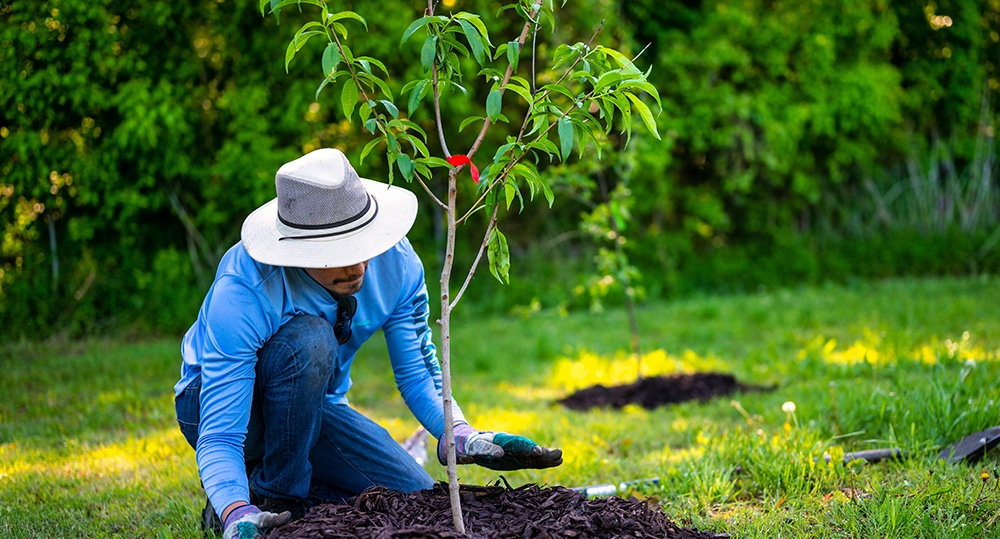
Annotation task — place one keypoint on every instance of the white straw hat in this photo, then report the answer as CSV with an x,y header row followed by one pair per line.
x,y
325,216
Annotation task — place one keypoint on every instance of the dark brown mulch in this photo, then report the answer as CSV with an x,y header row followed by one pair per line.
x,y
657,391
490,512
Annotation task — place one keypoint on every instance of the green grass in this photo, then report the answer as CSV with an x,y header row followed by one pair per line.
x,y
89,446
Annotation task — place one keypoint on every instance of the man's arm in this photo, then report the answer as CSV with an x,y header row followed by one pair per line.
x,y
418,377
412,351
236,324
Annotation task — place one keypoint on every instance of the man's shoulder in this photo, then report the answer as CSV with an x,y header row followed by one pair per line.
x,y
238,265
402,253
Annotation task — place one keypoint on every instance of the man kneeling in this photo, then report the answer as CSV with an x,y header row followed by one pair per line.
x,y
266,366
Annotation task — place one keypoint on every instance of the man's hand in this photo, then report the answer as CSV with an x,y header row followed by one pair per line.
x,y
249,522
498,450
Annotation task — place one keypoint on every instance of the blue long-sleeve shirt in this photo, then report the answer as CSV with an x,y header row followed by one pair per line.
x,y
245,307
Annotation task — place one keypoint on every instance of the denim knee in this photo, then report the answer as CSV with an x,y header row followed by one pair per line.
x,y
304,347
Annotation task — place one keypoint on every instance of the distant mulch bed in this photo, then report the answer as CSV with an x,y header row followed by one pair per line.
x,y
528,512
657,391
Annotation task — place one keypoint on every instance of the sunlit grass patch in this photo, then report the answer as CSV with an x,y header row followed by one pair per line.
x,y
588,368
134,459
873,350
151,477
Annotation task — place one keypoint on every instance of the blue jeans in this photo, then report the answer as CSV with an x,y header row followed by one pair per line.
x,y
299,445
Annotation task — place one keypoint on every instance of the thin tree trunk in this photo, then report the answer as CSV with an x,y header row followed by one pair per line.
x,y
449,419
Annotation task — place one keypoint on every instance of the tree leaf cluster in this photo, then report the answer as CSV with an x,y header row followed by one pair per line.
x,y
135,137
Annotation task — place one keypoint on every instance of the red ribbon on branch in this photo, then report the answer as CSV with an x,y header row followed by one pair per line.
x,y
462,159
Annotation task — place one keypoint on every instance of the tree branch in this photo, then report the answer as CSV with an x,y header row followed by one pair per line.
x,y
475,263
507,74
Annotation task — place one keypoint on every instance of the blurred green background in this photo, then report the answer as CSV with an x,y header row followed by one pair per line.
x,y
803,142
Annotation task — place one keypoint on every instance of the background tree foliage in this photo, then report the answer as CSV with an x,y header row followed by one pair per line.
x,y
802,141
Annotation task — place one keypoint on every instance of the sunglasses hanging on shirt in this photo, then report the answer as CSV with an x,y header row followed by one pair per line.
x,y
346,307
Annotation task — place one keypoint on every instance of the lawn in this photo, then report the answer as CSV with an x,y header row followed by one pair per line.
x,y
89,446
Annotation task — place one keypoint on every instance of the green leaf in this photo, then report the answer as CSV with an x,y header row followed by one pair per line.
x,y
566,133
346,51
641,85
469,120
306,26
494,102
454,47
520,87
539,123
290,53
644,113
565,55
428,52
391,158
405,165
587,128
417,94
513,53
417,144
348,98
546,146
299,41
366,65
550,197
278,4
457,86
331,57
477,22
484,178
502,150
626,64
511,192
490,73
413,126
390,107
414,26
490,200
499,256
341,15
437,162
608,79
369,147
381,84
558,89
322,85
620,102
582,76
340,30
475,42
369,61
530,175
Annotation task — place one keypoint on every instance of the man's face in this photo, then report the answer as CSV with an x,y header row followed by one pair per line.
x,y
342,282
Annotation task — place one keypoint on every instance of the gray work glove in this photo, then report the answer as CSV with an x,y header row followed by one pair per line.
x,y
498,450
249,522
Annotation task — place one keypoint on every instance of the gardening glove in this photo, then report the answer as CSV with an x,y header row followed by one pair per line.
x,y
248,522
498,450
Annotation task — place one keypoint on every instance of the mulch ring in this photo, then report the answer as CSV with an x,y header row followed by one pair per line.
x,y
654,391
490,512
